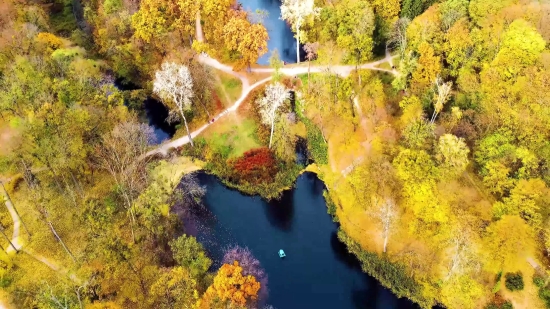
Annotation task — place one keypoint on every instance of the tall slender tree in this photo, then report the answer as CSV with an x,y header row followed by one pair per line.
x,y
174,85
275,95
296,12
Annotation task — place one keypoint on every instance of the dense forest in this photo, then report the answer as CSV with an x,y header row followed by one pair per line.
x,y
428,121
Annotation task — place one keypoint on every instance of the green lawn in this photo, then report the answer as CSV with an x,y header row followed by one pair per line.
x,y
233,136
229,88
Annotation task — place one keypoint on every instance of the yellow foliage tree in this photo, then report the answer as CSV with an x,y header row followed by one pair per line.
x,y
387,9
457,45
154,19
429,67
50,41
509,241
246,38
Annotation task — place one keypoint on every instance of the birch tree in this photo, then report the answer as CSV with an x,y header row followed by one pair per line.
x,y
121,154
296,12
275,95
462,252
442,94
398,36
174,85
386,213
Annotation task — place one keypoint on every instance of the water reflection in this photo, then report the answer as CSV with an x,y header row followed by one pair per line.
x,y
155,113
280,212
318,272
280,35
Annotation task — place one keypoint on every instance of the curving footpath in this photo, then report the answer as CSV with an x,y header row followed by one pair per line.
x,y
15,239
342,70
18,244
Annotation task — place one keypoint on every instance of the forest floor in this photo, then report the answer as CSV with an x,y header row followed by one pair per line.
x,y
8,137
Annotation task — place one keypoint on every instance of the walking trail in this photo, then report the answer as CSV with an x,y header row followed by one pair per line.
x,y
18,243
342,70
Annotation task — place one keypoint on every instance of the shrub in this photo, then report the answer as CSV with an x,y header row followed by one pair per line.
x,y
497,286
331,206
544,294
315,143
256,166
13,185
514,281
538,280
507,305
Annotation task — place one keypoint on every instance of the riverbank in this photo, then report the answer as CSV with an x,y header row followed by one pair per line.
x,y
318,270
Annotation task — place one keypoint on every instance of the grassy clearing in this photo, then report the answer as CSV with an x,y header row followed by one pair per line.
x,y
233,134
174,169
229,88
385,65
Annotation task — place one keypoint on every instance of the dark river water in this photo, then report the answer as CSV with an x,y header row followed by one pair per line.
x,y
318,272
280,35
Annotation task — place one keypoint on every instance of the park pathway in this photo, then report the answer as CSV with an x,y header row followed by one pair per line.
x,y
342,70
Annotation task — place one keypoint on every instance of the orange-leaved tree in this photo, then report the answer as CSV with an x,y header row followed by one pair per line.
x,y
230,287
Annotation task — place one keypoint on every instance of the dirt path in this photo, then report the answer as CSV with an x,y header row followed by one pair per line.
x,y
343,70
15,239
18,243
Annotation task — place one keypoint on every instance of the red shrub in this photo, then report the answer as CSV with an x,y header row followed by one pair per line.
x,y
255,166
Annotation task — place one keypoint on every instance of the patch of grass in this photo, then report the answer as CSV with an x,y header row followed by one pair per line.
x,y
229,89
385,65
233,136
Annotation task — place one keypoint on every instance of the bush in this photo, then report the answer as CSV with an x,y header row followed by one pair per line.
x,y
499,303
315,143
497,286
538,280
544,294
13,185
507,305
514,281
254,166
331,206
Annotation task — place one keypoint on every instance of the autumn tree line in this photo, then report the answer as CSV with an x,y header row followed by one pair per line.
x,y
438,174
97,227
445,175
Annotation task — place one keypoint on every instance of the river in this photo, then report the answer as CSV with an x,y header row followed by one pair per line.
x,y
280,35
318,272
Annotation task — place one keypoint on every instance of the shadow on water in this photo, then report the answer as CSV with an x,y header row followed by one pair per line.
x,y
155,112
280,34
281,212
318,271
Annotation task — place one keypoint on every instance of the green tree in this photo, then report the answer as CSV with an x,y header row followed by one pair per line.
x,y
189,253
175,288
